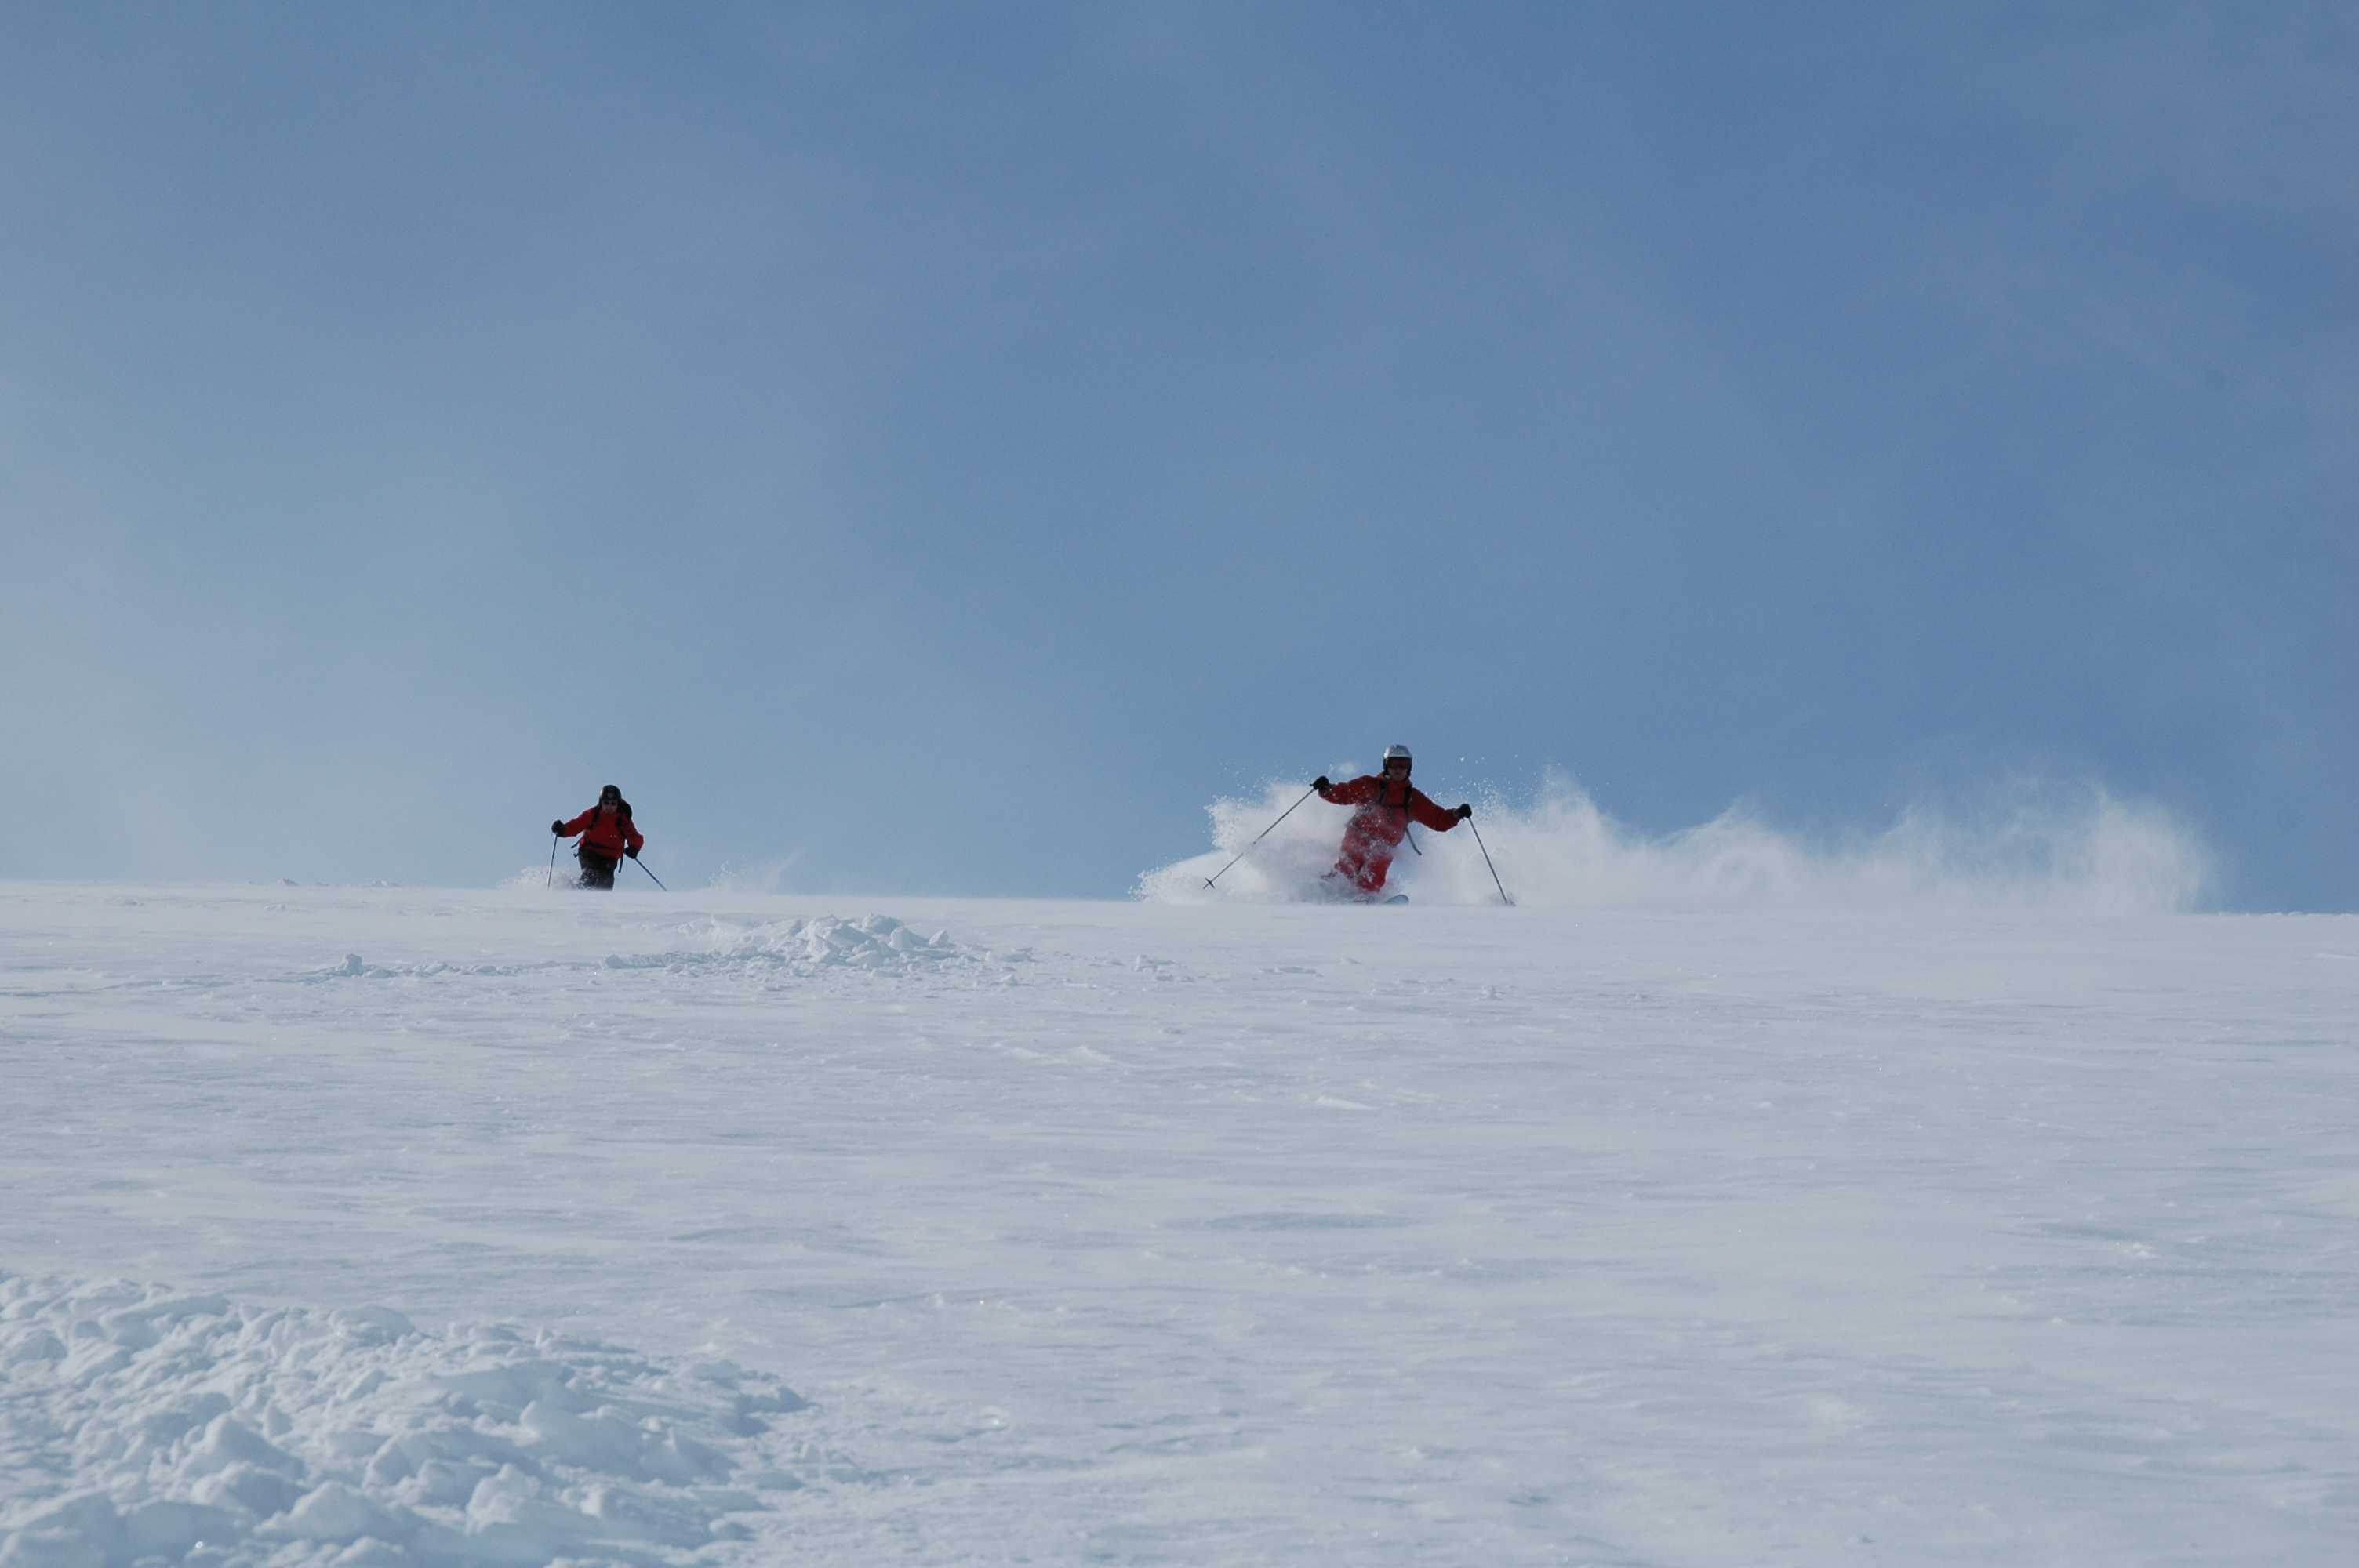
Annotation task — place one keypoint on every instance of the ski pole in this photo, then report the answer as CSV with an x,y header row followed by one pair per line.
x,y
1487,860
1265,833
552,861
659,881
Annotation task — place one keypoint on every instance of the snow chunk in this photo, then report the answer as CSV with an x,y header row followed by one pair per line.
x,y
278,1435
333,1511
874,944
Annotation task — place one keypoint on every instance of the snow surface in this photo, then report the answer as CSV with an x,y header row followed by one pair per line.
x,y
389,1225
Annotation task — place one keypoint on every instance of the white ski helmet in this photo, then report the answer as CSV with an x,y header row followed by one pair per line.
x,y
1398,754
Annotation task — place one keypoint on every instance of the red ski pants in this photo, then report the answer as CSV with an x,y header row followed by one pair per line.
x,y
1365,862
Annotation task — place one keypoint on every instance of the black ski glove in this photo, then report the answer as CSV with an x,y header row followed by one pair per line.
x,y
631,852
558,828
1320,783
1465,812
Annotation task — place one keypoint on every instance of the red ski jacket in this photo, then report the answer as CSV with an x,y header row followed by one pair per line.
x,y
608,835
1387,809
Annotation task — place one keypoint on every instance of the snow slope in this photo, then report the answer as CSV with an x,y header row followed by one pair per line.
x,y
389,1225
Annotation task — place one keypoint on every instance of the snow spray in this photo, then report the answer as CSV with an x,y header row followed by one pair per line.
x,y
2073,849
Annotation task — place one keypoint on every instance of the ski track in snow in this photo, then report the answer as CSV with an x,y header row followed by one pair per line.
x,y
1135,1233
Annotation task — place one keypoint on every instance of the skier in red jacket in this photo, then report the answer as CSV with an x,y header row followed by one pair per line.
x,y
1389,803
607,835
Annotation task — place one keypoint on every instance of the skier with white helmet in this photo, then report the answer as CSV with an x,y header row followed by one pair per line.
x,y
1389,803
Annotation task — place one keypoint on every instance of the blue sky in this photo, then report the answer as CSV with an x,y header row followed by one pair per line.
x,y
945,448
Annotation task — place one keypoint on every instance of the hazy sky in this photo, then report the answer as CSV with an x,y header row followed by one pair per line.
x,y
945,446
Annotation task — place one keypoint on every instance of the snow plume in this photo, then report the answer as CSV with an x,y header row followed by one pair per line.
x,y
143,1424
2071,851
561,873
756,876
